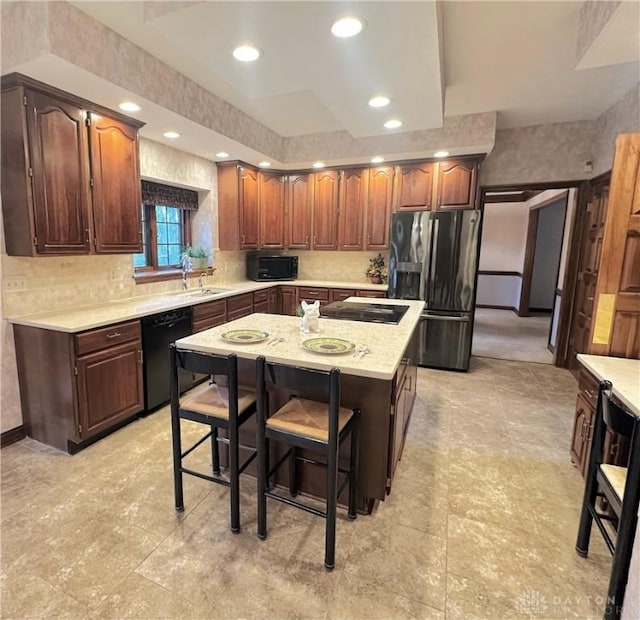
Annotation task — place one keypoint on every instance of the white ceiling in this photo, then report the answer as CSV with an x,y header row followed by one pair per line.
x,y
435,61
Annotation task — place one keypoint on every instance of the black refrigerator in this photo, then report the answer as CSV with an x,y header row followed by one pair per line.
x,y
434,257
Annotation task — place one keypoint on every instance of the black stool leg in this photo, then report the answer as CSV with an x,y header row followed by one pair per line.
x,y
353,466
332,500
215,452
262,448
175,433
234,476
293,476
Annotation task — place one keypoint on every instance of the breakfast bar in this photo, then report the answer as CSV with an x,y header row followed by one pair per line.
x,y
378,376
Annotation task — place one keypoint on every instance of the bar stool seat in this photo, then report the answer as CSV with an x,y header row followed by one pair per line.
x,y
307,418
213,400
616,477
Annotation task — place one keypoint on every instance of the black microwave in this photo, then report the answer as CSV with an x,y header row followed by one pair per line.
x,y
261,267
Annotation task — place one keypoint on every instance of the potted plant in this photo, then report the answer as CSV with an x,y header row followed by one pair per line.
x,y
377,270
194,258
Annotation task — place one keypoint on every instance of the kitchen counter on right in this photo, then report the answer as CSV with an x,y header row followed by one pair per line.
x,y
623,373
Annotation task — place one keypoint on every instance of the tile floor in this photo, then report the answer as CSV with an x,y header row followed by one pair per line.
x,y
502,334
481,523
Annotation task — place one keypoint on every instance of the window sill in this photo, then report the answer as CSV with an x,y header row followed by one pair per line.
x,y
144,277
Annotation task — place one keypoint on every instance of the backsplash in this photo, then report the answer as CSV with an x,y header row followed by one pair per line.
x,y
52,283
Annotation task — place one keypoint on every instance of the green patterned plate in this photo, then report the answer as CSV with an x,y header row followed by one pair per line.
x,y
328,346
245,336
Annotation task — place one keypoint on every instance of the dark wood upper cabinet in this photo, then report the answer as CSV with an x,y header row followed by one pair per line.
x,y
379,208
272,210
299,203
116,192
414,187
50,158
352,205
457,184
248,208
325,210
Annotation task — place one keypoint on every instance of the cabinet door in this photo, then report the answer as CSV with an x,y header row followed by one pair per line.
x,y
248,208
109,387
379,208
340,294
272,209
325,210
274,300
289,300
352,203
299,192
581,433
58,147
456,184
415,187
116,192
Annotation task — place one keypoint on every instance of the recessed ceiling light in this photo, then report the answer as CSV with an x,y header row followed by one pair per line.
x,y
171,134
264,164
129,106
441,153
347,27
377,160
394,123
222,154
318,164
246,53
379,101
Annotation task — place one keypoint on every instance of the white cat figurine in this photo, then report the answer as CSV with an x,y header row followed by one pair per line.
x,y
310,318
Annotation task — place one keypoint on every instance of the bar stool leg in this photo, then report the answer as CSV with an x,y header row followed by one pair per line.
x,y
293,477
332,500
234,477
215,452
176,440
353,467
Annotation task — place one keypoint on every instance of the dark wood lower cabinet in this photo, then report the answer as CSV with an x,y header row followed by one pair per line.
x,y
73,387
289,300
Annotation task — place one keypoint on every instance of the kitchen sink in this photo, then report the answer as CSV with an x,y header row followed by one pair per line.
x,y
205,292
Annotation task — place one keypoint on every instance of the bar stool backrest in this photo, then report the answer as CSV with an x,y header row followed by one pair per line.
x,y
615,417
205,363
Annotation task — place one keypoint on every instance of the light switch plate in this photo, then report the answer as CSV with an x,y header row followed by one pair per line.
x,y
15,284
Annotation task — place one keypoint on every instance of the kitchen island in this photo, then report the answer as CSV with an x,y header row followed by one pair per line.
x,y
378,377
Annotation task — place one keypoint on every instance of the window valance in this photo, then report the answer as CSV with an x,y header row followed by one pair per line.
x,y
168,196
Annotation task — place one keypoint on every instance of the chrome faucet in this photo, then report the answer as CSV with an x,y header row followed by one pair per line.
x,y
201,280
185,268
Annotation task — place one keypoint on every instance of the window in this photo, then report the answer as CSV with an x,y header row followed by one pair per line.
x,y
166,226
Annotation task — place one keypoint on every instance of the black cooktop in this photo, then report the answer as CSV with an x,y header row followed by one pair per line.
x,y
371,313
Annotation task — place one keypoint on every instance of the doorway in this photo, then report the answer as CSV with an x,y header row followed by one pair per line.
x,y
524,251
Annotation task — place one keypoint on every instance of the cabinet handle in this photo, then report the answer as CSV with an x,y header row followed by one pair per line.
x,y
589,393
314,240
307,239
580,412
114,335
86,235
242,239
140,356
587,432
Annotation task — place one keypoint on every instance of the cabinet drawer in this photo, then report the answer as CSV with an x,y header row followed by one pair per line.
x,y
210,309
209,322
306,293
232,315
240,302
371,294
259,296
588,386
261,306
98,339
340,294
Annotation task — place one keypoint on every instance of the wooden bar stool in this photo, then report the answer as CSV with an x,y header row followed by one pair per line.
x,y
320,426
621,488
218,406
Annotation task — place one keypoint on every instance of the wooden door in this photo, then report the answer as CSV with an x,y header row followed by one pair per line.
x,y
379,208
109,387
272,210
60,175
289,300
116,192
299,203
325,210
592,232
248,208
352,206
456,184
414,187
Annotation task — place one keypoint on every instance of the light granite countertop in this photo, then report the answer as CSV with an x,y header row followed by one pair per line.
x,y
386,343
79,319
624,375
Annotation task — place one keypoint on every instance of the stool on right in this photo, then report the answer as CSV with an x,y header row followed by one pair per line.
x,y
620,486
317,425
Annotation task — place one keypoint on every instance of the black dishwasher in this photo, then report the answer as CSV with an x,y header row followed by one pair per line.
x,y
158,332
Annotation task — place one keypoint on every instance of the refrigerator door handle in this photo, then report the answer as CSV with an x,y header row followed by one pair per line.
x,y
435,230
440,317
425,285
